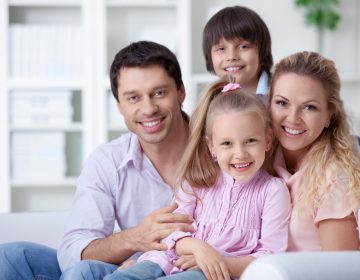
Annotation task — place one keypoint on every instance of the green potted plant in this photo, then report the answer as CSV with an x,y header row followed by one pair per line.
x,y
322,15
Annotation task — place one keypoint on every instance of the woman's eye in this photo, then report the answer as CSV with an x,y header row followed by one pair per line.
x,y
280,102
310,108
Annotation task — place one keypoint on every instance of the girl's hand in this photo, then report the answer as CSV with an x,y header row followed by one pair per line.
x,y
126,264
211,263
186,262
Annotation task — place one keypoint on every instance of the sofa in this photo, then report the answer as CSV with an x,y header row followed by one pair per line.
x,y
47,228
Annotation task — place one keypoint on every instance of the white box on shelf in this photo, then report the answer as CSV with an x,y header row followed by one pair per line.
x,y
38,155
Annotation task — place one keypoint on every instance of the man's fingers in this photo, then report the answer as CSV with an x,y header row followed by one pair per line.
x,y
173,218
166,209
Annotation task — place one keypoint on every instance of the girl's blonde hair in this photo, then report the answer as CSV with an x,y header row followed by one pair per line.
x,y
198,167
335,144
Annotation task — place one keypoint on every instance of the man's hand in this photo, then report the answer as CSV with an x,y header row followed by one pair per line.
x,y
156,226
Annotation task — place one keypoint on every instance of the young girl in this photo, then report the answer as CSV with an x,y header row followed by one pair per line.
x,y
240,212
316,155
236,41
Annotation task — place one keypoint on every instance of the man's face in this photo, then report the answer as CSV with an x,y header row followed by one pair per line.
x,y
150,103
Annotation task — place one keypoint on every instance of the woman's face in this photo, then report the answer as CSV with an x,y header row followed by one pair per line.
x,y
299,112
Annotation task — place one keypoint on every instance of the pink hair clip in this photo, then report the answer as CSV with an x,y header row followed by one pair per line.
x,y
230,87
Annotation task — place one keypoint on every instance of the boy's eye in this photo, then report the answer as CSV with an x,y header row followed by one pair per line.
x,y
219,49
243,46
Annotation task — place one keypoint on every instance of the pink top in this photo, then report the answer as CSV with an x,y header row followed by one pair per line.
x,y
237,219
303,230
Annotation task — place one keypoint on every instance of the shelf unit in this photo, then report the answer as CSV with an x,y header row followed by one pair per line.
x,y
105,27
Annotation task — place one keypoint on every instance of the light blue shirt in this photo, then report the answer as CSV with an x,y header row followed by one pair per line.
x,y
118,183
262,88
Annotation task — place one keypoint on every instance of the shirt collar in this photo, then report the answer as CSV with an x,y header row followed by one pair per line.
x,y
229,180
134,153
263,84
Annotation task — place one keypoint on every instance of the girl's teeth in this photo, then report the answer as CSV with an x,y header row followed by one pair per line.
x,y
241,165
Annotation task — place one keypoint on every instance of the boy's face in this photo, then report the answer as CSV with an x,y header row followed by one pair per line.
x,y
150,103
240,59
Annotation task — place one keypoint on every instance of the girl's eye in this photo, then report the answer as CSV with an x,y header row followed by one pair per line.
x,y
251,140
226,143
310,107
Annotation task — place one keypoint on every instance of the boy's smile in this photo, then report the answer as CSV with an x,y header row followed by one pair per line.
x,y
238,58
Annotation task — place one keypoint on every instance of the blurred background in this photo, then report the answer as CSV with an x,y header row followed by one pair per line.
x,y
55,100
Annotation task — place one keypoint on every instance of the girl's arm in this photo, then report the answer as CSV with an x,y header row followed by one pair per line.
x,y
237,265
207,258
339,234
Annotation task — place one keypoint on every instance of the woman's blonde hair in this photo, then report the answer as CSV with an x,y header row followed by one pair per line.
x,y
197,166
335,144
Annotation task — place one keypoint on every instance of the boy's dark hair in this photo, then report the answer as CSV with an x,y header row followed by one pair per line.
x,y
238,22
143,54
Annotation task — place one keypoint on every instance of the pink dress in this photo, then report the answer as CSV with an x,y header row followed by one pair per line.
x,y
303,230
237,219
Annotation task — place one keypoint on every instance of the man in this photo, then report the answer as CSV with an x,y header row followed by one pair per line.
x,y
125,180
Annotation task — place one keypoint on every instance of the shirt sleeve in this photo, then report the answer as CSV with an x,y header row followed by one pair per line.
x,y
186,201
335,204
92,214
274,220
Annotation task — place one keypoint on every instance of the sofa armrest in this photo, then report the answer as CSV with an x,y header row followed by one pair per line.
x,y
45,228
305,266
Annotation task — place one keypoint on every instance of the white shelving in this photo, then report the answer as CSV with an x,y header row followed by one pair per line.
x,y
105,27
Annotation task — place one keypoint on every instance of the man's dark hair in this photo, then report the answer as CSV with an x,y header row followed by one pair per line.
x,y
143,54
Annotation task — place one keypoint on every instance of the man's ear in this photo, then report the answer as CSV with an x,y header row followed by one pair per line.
x,y
119,107
182,94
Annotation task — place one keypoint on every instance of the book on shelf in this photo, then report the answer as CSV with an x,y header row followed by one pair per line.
x,y
38,156
45,50
32,108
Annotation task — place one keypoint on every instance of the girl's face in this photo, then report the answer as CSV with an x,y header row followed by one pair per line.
x,y
238,58
299,113
239,141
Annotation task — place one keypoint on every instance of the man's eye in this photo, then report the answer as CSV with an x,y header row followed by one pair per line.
x,y
132,99
159,93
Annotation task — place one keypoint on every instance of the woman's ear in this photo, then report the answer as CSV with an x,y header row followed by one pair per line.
x,y
269,139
